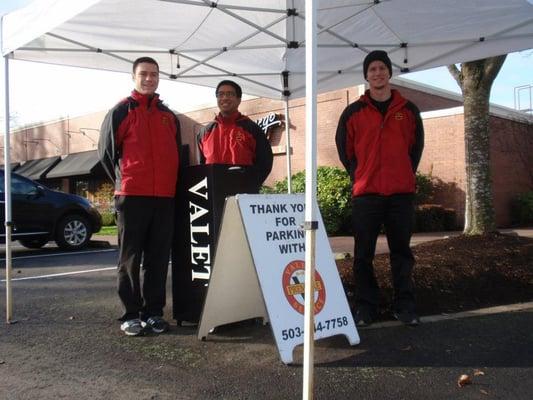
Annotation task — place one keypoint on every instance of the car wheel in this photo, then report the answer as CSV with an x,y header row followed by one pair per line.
x,y
34,243
73,232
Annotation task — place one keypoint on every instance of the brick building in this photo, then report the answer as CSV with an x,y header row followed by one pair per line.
x,y
66,154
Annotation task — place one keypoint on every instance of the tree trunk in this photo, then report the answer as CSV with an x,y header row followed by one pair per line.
x,y
479,210
475,80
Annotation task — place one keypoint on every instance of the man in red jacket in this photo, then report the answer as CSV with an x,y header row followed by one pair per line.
x,y
234,139
379,139
139,149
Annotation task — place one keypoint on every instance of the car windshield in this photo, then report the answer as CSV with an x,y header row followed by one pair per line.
x,y
19,186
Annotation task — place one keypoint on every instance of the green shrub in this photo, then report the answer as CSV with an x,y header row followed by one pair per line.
x,y
522,208
424,188
334,200
103,198
333,196
108,218
434,218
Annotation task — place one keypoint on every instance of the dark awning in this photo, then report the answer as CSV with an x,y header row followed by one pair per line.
x,y
37,169
83,163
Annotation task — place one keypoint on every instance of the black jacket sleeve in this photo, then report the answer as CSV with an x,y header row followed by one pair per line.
x,y
416,151
348,161
199,139
182,156
263,154
108,151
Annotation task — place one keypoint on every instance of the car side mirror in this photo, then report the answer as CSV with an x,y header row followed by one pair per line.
x,y
37,192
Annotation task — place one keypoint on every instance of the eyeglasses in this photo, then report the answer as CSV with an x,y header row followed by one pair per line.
x,y
226,94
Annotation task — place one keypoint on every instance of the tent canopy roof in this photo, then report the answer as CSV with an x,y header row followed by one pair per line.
x,y
254,41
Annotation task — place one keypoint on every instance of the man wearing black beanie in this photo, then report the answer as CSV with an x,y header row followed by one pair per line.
x,y
377,55
379,139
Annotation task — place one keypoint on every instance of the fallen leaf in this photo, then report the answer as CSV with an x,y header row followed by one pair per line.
x,y
464,380
484,392
478,372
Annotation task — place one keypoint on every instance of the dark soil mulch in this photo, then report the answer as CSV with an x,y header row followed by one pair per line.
x,y
460,273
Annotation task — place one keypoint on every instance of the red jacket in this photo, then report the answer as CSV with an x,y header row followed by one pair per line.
x,y
139,147
381,153
236,140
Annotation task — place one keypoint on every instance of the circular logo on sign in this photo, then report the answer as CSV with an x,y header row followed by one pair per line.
x,y
293,287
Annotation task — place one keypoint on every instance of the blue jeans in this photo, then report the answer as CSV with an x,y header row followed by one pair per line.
x,y
396,214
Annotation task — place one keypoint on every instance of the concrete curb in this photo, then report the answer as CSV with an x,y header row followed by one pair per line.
x,y
463,314
99,244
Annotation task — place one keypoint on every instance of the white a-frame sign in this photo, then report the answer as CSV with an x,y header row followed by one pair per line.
x,y
259,272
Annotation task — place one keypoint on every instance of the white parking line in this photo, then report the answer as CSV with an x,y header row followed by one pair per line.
x,y
60,254
61,274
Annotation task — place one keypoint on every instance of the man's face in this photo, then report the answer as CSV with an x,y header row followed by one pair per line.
x,y
377,75
227,100
146,78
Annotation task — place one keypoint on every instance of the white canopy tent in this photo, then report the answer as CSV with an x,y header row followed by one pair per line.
x,y
255,41
261,44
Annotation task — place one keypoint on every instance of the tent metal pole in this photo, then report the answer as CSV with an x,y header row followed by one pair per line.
x,y
288,145
310,223
7,193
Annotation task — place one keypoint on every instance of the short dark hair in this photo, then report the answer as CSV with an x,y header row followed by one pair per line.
x,y
238,90
148,60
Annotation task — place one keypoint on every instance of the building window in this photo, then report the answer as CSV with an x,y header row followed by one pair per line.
x,y
54,184
81,187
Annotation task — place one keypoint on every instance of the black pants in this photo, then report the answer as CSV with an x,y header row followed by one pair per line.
x,y
145,226
396,213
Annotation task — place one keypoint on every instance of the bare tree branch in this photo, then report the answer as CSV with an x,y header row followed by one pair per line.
x,y
492,67
454,71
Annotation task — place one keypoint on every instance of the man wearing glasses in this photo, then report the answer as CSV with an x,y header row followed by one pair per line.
x,y
234,139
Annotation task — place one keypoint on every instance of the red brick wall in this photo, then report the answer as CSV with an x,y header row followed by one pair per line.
x,y
511,146
427,101
66,136
444,158
511,152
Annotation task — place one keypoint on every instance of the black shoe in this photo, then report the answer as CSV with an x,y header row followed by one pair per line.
x,y
157,324
408,318
362,317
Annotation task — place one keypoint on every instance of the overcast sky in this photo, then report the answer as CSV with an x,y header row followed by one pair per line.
x,y
42,92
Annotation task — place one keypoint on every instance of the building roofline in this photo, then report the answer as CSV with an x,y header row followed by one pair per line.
x,y
494,109
51,122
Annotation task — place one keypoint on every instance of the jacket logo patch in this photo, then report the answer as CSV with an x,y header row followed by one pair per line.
x,y
398,116
164,120
239,136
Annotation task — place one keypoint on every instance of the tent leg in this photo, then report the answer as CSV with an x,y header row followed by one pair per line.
x,y
7,192
288,145
310,223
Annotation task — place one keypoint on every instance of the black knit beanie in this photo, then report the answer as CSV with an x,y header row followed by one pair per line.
x,y
377,55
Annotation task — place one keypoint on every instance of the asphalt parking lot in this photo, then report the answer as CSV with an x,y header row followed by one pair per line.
x,y
66,344
50,261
